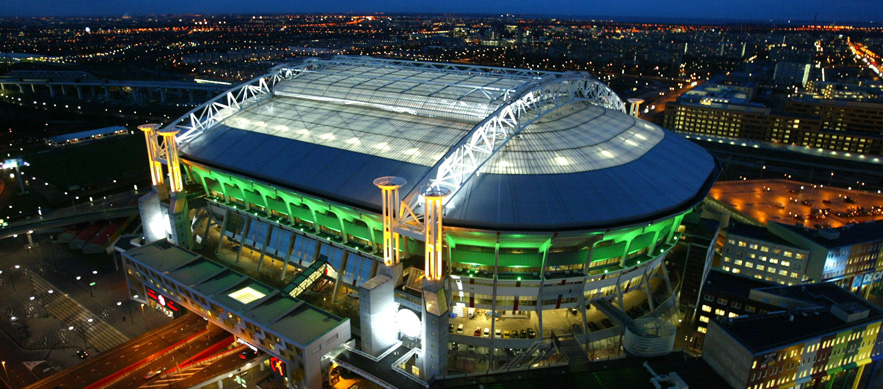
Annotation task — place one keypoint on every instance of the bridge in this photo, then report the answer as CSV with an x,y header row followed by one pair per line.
x,y
87,86
37,223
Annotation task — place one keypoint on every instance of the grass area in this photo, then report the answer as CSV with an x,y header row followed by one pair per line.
x,y
90,164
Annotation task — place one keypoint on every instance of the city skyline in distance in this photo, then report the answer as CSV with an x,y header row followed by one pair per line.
x,y
847,11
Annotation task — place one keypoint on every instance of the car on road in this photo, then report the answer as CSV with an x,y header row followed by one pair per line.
x,y
82,354
153,373
247,353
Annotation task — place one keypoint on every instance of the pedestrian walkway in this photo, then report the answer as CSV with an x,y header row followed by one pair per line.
x,y
572,350
96,333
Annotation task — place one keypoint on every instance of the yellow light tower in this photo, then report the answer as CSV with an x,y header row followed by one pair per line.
x,y
174,163
389,187
153,151
433,230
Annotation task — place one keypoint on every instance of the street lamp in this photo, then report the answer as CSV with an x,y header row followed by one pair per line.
x,y
6,372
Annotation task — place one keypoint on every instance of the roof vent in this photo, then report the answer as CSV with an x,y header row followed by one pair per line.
x,y
850,312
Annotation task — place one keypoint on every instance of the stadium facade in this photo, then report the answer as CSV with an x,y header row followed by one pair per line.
x,y
441,189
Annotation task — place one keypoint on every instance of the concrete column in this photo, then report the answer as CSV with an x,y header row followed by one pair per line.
x,y
162,96
79,92
245,227
51,90
264,246
2,86
63,91
21,88
33,88
107,93
223,228
208,223
190,95
343,263
287,255
493,335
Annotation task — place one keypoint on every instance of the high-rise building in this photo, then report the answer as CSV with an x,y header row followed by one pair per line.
x,y
841,126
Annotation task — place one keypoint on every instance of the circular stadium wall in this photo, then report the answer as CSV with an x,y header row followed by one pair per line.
x,y
579,200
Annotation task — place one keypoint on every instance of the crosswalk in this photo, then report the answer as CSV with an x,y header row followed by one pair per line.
x,y
98,333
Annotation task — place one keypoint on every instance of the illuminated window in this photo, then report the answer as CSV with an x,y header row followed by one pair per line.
x,y
749,265
702,329
246,295
786,263
703,319
761,267
774,260
719,312
794,275
706,308
764,249
737,262
788,254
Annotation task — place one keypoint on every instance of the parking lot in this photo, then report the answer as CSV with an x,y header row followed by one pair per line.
x,y
793,202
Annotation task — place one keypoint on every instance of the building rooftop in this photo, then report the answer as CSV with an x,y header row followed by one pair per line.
x,y
841,237
817,317
290,318
732,284
360,118
85,134
755,232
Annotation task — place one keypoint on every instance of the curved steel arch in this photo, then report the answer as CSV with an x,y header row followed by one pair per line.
x,y
212,112
464,160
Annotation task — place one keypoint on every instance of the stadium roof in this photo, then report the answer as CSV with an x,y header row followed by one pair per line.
x,y
564,154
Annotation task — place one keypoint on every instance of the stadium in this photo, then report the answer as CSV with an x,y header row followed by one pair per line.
x,y
525,203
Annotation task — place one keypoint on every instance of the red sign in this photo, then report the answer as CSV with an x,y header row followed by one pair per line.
x,y
278,366
161,300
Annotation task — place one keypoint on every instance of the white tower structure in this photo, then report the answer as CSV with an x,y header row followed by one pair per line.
x,y
634,106
164,211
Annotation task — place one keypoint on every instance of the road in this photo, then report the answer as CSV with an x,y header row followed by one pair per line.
x,y
661,102
143,348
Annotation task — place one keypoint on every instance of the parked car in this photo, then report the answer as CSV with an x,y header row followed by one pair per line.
x,y
477,331
82,354
460,329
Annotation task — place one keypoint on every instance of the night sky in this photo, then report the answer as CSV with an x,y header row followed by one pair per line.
x,y
761,10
